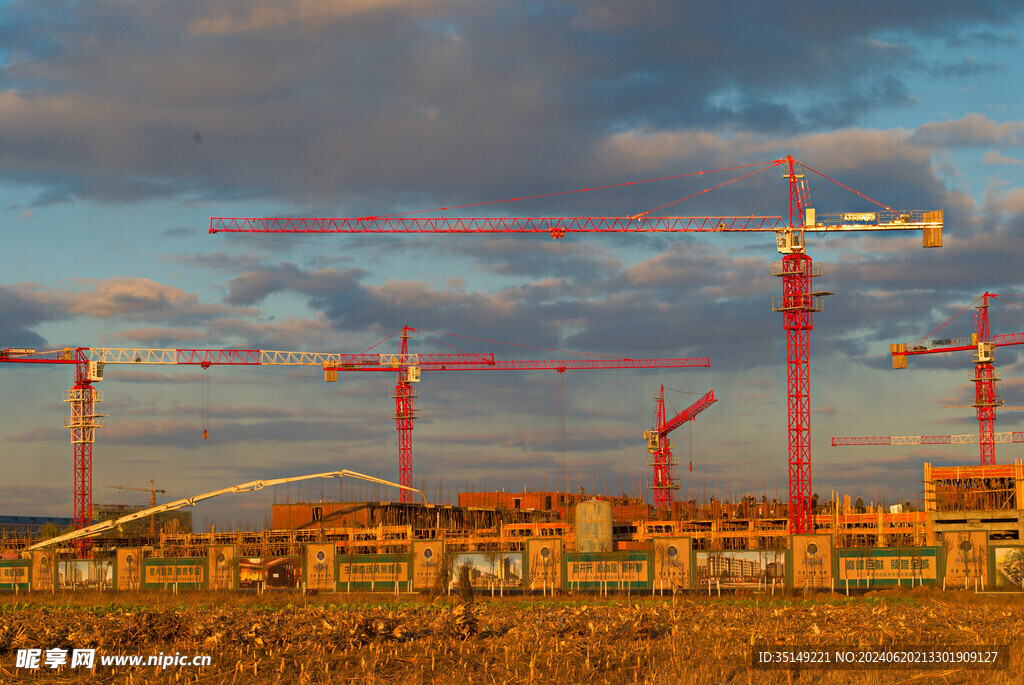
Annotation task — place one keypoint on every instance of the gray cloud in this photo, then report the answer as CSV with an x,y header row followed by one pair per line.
x,y
172,98
177,433
21,310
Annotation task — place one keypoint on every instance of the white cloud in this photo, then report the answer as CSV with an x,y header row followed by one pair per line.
x,y
998,159
970,131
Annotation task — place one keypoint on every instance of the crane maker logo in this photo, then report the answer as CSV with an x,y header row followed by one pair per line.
x,y
860,217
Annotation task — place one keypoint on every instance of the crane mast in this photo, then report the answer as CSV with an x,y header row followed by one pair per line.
x,y
797,305
404,416
985,398
82,421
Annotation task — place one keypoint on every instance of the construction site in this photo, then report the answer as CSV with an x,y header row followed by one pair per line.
x,y
965,529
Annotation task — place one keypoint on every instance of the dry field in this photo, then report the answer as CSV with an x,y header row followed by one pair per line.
x,y
413,639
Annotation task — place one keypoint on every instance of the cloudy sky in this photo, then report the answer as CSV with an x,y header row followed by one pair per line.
x,y
124,128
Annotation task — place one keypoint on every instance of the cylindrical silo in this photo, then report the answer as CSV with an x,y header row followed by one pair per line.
x,y
594,526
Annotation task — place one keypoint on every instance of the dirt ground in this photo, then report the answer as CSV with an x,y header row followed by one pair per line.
x,y
411,639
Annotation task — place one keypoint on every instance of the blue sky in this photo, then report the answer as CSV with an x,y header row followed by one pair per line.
x,y
124,129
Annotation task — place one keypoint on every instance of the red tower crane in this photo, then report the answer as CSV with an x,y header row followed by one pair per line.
x,y
82,420
152,490
983,344
797,303
409,368
660,447
82,398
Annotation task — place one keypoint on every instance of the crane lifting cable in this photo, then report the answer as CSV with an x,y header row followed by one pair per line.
x,y
204,385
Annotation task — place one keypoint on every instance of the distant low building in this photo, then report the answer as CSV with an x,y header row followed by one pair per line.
x,y
166,521
31,527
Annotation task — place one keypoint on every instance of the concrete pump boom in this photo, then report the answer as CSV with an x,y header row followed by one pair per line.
x,y
252,486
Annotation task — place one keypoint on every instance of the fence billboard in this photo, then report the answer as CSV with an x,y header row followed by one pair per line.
x,y
165,574
965,554
221,569
14,575
373,572
1007,567
544,563
810,562
427,563
320,566
489,570
269,573
85,574
739,569
128,569
865,567
606,570
671,564
44,573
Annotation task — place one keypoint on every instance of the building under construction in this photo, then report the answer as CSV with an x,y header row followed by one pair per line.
x,y
969,529
983,498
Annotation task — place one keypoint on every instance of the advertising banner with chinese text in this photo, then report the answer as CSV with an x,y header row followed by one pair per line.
x,y
427,557
870,566
14,575
810,560
373,572
44,572
966,557
187,572
613,571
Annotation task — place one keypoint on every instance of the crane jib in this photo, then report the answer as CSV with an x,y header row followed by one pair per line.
x,y
883,221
